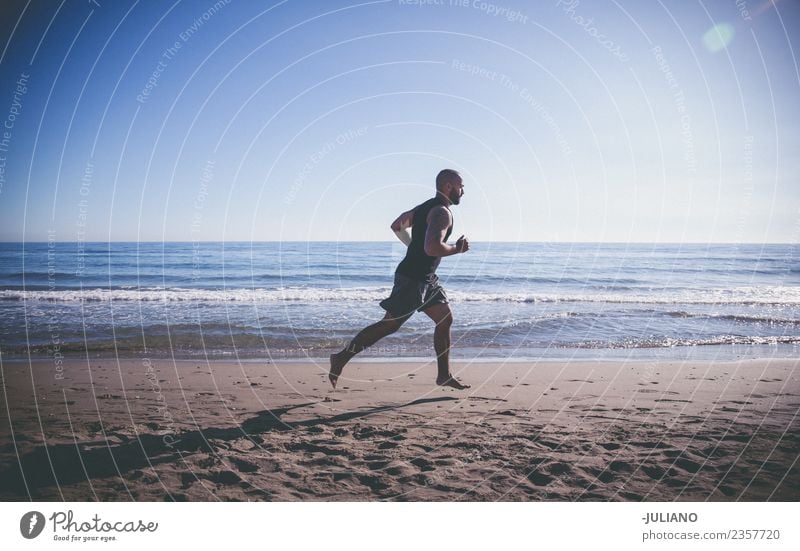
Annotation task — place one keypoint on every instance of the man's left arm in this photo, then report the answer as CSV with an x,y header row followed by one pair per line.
x,y
401,225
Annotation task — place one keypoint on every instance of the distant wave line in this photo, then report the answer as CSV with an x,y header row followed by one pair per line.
x,y
741,295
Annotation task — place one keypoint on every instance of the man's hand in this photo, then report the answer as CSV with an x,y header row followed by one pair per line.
x,y
462,245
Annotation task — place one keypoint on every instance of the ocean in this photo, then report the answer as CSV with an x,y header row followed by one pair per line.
x,y
295,300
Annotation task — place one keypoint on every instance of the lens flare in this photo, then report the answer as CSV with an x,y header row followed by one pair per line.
x,y
718,37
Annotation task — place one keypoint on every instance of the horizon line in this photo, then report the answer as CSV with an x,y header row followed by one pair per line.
x,y
237,241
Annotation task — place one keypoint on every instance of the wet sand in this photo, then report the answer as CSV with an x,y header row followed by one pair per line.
x,y
538,431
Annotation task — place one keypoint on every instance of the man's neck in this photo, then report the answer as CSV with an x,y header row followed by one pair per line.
x,y
443,198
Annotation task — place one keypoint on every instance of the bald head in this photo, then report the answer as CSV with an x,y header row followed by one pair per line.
x,y
449,186
447,176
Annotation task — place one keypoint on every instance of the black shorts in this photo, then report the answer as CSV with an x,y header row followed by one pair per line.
x,y
409,295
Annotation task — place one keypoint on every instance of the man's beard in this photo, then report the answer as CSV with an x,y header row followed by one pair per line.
x,y
455,198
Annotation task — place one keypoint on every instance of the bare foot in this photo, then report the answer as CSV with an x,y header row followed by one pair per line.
x,y
337,364
452,382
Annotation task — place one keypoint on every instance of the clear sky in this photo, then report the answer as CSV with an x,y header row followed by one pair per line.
x,y
323,120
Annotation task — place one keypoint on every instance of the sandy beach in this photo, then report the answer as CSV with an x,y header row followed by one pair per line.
x,y
153,430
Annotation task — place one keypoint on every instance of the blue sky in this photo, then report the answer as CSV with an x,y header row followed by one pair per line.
x,y
311,120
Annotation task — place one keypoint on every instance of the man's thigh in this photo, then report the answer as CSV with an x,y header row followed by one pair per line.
x,y
434,295
406,298
396,319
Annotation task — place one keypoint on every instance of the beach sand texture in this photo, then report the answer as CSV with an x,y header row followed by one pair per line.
x,y
526,431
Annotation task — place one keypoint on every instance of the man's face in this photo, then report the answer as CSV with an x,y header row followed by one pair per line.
x,y
456,192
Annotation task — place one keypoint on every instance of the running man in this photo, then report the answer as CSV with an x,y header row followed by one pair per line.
x,y
416,286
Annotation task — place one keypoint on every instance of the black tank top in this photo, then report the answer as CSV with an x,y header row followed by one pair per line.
x,y
418,265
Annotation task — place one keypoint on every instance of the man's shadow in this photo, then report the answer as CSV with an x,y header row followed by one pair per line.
x,y
65,464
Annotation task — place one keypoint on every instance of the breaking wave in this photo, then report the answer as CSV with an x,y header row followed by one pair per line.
x,y
776,295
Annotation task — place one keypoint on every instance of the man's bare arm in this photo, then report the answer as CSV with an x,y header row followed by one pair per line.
x,y
438,222
401,225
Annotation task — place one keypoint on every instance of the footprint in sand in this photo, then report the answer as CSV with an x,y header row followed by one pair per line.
x,y
539,479
603,475
378,465
94,426
372,482
422,464
687,465
187,479
557,469
620,467
223,477
244,466
658,473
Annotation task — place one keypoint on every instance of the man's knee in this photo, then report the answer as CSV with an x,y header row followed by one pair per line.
x,y
444,322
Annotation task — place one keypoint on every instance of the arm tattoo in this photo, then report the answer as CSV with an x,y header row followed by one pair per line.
x,y
437,229
440,220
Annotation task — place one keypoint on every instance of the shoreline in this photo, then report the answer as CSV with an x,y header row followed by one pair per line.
x,y
152,430
315,360
701,353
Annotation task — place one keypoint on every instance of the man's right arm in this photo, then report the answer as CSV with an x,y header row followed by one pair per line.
x,y
438,223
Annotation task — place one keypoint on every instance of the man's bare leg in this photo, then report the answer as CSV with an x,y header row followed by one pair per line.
x,y
443,316
365,338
